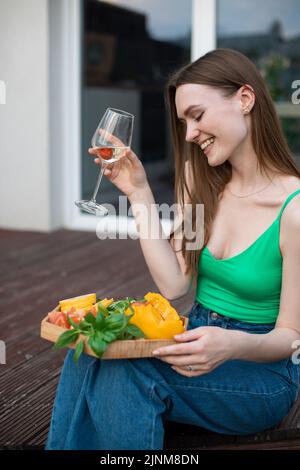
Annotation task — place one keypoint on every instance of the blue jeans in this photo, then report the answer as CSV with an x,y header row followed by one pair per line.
x,y
123,403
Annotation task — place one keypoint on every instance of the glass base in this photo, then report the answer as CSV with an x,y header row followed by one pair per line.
x,y
92,208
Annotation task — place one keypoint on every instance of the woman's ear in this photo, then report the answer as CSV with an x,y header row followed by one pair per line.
x,y
247,98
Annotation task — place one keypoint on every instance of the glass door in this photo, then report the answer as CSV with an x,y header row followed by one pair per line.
x,y
129,49
269,34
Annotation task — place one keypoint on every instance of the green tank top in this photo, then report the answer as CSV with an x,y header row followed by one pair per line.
x,y
247,286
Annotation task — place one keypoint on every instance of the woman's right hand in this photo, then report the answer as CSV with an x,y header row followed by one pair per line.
x,y
127,174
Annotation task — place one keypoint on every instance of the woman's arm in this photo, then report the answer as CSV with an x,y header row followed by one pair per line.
x,y
278,344
166,269
207,347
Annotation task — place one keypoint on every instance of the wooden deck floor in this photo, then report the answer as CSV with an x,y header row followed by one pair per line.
x,y
37,270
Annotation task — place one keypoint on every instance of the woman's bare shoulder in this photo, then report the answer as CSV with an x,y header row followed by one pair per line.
x,y
288,183
292,184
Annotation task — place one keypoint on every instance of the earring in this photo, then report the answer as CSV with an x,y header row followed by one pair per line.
x,y
246,110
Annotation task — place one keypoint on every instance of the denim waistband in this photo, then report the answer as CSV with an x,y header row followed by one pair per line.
x,y
212,318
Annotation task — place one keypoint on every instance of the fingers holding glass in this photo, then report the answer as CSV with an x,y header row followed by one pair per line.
x,y
110,143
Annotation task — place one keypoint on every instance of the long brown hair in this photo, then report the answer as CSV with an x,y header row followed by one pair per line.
x,y
227,70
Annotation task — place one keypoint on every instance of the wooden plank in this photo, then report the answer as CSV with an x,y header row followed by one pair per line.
x,y
287,444
31,378
83,258
23,348
30,418
70,264
32,299
37,270
27,388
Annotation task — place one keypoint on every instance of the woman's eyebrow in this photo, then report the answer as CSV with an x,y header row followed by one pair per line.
x,y
189,109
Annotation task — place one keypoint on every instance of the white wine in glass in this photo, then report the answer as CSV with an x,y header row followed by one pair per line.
x,y
111,154
112,139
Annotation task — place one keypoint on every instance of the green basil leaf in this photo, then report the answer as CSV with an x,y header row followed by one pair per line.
x,y
78,351
109,336
66,338
85,327
89,318
97,345
99,321
116,322
98,334
134,331
119,305
115,318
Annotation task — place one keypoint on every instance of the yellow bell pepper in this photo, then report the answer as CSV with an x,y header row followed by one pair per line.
x,y
162,305
156,317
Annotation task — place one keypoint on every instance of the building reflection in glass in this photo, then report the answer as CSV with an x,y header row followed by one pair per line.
x,y
125,65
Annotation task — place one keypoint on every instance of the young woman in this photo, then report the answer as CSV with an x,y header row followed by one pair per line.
x,y
232,372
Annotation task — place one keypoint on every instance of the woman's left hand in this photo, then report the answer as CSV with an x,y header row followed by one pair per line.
x,y
203,348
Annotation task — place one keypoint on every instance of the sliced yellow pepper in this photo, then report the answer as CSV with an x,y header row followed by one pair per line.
x,y
162,305
155,317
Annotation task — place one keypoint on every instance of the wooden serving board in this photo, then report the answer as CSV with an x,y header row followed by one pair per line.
x,y
120,349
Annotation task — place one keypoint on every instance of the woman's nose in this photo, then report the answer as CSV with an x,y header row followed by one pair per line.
x,y
191,134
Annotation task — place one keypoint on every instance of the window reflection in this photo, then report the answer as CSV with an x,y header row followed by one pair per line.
x,y
269,34
128,54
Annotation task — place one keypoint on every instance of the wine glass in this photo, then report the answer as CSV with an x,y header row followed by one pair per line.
x,y
112,139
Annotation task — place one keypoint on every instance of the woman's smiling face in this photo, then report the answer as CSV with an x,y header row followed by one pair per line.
x,y
207,114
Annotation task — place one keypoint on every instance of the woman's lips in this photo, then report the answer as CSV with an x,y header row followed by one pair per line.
x,y
207,149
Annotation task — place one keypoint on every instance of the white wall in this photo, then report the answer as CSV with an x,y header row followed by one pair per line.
x,y
24,150
56,95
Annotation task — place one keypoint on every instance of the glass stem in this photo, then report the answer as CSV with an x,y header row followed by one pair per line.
x,y
93,199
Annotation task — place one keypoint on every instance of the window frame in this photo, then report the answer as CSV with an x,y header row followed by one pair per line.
x,y
203,39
